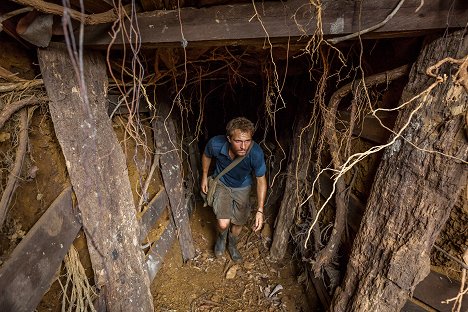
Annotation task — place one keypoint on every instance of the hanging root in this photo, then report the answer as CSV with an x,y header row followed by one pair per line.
x,y
17,166
327,254
78,294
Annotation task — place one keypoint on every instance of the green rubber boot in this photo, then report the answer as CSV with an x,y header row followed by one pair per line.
x,y
220,245
232,248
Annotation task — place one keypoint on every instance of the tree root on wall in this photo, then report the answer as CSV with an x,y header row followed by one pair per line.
x,y
17,166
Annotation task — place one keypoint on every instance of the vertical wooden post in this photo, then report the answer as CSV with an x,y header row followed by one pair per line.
x,y
413,191
167,144
98,173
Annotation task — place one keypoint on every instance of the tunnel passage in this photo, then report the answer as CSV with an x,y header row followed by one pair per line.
x,y
283,92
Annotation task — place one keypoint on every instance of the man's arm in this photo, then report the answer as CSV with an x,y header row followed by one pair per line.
x,y
206,161
261,195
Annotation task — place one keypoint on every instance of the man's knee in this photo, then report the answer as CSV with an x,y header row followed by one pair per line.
x,y
223,224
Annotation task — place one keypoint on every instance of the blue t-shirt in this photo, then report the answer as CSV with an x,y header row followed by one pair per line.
x,y
240,175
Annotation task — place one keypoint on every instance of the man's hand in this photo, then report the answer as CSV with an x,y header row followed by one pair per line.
x,y
258,221
204,184
206,161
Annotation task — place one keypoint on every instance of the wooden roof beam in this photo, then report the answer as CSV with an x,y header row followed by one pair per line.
x,y
243,23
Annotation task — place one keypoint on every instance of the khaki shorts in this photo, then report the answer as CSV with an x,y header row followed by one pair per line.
x,y
232,203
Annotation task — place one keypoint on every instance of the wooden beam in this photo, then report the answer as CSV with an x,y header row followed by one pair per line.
x,y
166,143
156,255
369,128
98,172
157,252
240,23
355,206
30,270
153,213
436,288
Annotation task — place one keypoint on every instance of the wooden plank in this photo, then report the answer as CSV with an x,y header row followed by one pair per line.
x,y
320,288
370,128
239,24
30,270
355,206
411,306
436,288
98,172
194,161
153,213
157,252
166,143
155,257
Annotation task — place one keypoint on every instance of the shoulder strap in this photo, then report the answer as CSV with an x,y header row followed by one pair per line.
x,y
233,164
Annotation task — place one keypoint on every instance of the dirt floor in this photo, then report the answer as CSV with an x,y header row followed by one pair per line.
x,y
210,284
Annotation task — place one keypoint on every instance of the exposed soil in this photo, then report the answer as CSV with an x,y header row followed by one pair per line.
x,y
210,284
453,239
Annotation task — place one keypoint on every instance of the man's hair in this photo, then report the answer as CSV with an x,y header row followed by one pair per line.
x,y
241,123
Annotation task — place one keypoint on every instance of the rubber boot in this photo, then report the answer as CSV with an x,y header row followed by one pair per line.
x,y
232,248
220,245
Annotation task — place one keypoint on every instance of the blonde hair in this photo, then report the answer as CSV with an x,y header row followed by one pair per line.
x,y
241,123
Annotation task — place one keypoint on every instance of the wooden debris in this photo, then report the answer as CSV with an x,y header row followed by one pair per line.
x,y
296,179
153,212
157,252
166,143
30,270
98,172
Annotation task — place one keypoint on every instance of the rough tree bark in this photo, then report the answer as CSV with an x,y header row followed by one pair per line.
x,y
413,191
98,172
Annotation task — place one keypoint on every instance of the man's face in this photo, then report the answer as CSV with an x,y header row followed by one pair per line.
x,y
240,142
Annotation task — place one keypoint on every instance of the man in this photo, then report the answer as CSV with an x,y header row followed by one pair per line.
x,y
231,199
